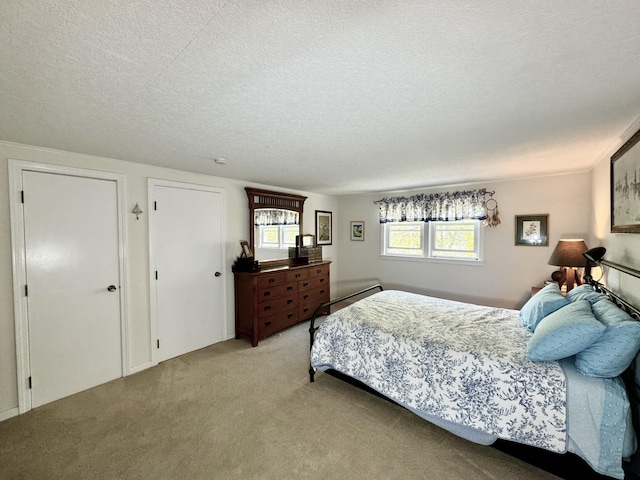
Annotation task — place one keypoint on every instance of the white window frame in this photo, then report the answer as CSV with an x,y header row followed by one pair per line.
x,y
427,232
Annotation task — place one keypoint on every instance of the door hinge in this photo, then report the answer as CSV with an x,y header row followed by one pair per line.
x,y
29,383
21,196
158,343
26,290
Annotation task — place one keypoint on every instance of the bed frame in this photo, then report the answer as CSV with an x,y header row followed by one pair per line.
x,y
542,459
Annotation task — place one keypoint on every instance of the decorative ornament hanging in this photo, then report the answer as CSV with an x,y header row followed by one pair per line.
x,y
493,218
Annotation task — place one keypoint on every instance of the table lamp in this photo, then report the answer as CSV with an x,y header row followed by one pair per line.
x,y
568,256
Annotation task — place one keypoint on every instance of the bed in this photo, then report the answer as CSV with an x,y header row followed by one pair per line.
x,y
484,373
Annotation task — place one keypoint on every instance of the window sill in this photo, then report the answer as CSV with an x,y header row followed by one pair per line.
x,y
450,261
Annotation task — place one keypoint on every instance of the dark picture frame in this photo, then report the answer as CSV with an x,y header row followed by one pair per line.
x,y
625,187
532,230
357,230
324,230
246,249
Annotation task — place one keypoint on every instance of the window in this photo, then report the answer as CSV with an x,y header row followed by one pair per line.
x,y
277,236
459,240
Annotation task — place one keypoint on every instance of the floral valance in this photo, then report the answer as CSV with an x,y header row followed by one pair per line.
x,y
275,216
447,206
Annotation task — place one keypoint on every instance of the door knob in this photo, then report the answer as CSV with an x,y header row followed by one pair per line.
x,y
111,288
217,274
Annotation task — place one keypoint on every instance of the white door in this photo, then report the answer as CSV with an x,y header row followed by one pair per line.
x,y
72,257
188,225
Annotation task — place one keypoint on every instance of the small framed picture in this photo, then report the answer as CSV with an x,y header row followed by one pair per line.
x,y
357,230
532,230
246,249
324,235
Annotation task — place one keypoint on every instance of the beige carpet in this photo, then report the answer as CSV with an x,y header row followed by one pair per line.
x,y
231,411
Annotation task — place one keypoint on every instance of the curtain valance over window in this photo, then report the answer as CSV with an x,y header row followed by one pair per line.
x,y
447,206
274,216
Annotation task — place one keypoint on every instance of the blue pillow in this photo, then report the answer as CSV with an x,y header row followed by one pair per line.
x,y
585,292
564,333
547,300
614,351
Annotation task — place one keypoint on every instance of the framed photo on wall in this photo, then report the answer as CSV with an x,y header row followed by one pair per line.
x,y
357,230
532,230
625,187
324,234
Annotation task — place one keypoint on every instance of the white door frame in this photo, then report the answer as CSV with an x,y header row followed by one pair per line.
x,y
153,289
18,251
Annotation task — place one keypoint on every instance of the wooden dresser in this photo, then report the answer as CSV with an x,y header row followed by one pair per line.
x,y
272,300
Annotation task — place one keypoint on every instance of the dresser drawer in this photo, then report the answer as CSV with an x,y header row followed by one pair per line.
x,y
313,282
266,294
271,279
278,304
318,270
315,295
297,274
276,322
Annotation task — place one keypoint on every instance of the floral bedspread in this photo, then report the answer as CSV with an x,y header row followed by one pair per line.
x,y
460,362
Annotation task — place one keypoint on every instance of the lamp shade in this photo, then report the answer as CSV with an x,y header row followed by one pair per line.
x,y
568,253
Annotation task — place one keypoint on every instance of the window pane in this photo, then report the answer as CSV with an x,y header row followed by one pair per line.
x,y
289,233
269,236
404,239
454,239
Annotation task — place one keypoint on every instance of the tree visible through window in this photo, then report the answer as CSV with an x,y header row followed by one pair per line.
x,y
405,238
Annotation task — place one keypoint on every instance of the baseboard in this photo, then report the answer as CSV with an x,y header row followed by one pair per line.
x,y
7,414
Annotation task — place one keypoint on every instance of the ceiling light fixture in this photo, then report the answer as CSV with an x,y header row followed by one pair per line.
x,y
220,161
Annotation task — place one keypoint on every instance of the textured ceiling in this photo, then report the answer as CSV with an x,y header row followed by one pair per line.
x,y
328,96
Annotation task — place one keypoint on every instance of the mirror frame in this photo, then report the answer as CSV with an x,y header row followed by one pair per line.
x,y
259,198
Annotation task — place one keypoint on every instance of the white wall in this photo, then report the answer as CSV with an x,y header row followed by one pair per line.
x,y
509,271
622,248
137,250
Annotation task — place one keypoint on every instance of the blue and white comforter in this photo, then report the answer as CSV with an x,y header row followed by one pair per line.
x,y
463,368
458,362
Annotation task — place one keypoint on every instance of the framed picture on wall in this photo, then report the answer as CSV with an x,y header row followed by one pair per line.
x,y
625,187
357,230
532,230
324,235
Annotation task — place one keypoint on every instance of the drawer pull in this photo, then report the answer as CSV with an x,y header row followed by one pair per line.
x,y
305,284
290,301
290,315
321,280
266,294
305,296
322,291
271,280
306,310
289,288
297,275
266,324
267,308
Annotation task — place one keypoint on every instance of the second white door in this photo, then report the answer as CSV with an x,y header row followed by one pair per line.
x,y
188,250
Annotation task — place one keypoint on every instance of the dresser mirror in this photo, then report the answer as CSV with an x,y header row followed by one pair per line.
x,y
275,221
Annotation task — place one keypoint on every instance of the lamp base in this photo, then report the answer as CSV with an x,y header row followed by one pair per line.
x,y
566,275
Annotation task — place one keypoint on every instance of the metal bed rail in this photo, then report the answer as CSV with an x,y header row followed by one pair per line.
x,y
318,311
